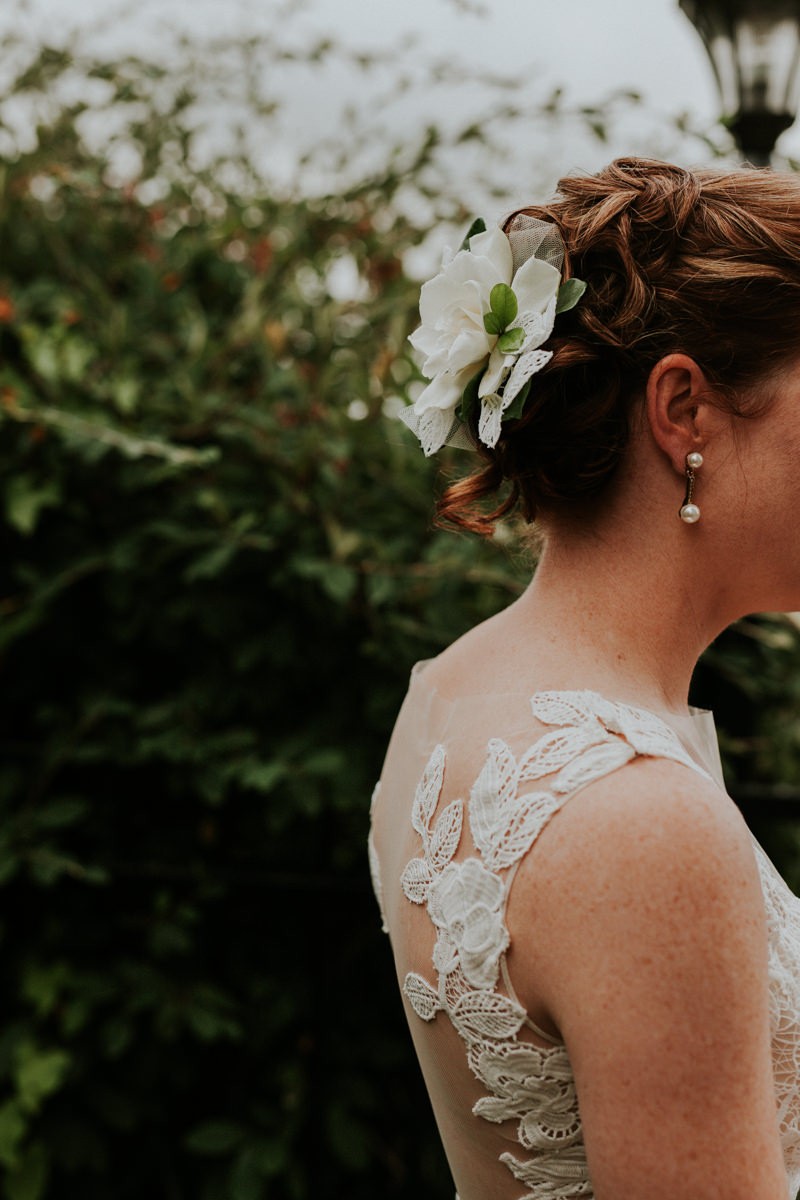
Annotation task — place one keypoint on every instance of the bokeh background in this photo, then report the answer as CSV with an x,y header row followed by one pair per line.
x,y
217,558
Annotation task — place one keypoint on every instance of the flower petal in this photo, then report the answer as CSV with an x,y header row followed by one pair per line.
x,y
482,929
452,287
444,392
535,285
494,245
469,348
426,340
445,955
444,897
482,886
496,373
537,327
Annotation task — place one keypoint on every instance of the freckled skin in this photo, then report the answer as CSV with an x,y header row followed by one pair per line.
x,y
644,919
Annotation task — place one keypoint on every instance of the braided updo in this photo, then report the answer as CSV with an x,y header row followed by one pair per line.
x,y
704,262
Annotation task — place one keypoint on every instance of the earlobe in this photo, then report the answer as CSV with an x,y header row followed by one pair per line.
x,y
677,407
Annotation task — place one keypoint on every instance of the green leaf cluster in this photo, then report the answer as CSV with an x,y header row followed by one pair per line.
x,y
218,569
503,309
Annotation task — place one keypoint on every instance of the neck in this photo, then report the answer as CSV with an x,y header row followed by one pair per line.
x,y
628,613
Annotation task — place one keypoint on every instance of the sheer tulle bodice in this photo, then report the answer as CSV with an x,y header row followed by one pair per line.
x,y
467,787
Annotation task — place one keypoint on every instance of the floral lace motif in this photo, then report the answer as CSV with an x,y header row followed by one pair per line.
x,y
466,901
783,927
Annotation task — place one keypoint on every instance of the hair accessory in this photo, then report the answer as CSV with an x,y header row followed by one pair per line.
x,y
689,511
485,318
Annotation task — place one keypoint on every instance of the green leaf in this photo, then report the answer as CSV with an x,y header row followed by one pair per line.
x,y
269,1155
125,394
492,324
246,1181
25,498
511,341
12,1131
262,776
116,1037
95,874
503,304
212,562
42,985
338,581
39,1073
76,355
42,353
569,294
211,1026
517,405
477,226
214,1137
59,813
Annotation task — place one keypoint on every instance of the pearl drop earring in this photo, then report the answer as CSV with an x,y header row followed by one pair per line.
x,y
689,511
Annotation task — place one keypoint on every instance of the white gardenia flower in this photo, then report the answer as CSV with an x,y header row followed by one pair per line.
x,y
456,346
452,305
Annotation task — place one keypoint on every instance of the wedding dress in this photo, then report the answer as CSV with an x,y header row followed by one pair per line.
x,y
501,1088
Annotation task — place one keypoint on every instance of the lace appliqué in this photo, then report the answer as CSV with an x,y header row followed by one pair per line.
x,y
783,924
466,901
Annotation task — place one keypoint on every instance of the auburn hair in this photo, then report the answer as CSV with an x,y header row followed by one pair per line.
x,y
705,262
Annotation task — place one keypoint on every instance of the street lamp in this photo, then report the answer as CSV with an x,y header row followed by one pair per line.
x,y
754,47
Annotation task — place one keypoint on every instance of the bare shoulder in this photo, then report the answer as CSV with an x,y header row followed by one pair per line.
x,y
655,823
652,860
648,949
654,854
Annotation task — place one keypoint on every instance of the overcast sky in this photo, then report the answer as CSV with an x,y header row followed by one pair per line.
x,y
588,46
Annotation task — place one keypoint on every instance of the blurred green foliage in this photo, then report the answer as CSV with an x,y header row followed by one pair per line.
x,y
218,567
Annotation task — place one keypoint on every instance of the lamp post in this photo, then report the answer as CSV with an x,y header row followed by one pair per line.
x,y
754,47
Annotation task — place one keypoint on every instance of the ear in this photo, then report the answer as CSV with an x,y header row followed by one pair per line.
x,y
680,416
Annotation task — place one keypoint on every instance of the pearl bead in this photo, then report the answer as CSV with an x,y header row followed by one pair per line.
x,y
690,513
694,460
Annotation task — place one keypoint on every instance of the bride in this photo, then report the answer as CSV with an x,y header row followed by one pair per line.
x,y
599,965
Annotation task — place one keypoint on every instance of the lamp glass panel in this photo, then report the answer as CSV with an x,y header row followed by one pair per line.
x,y
766,53
723,59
